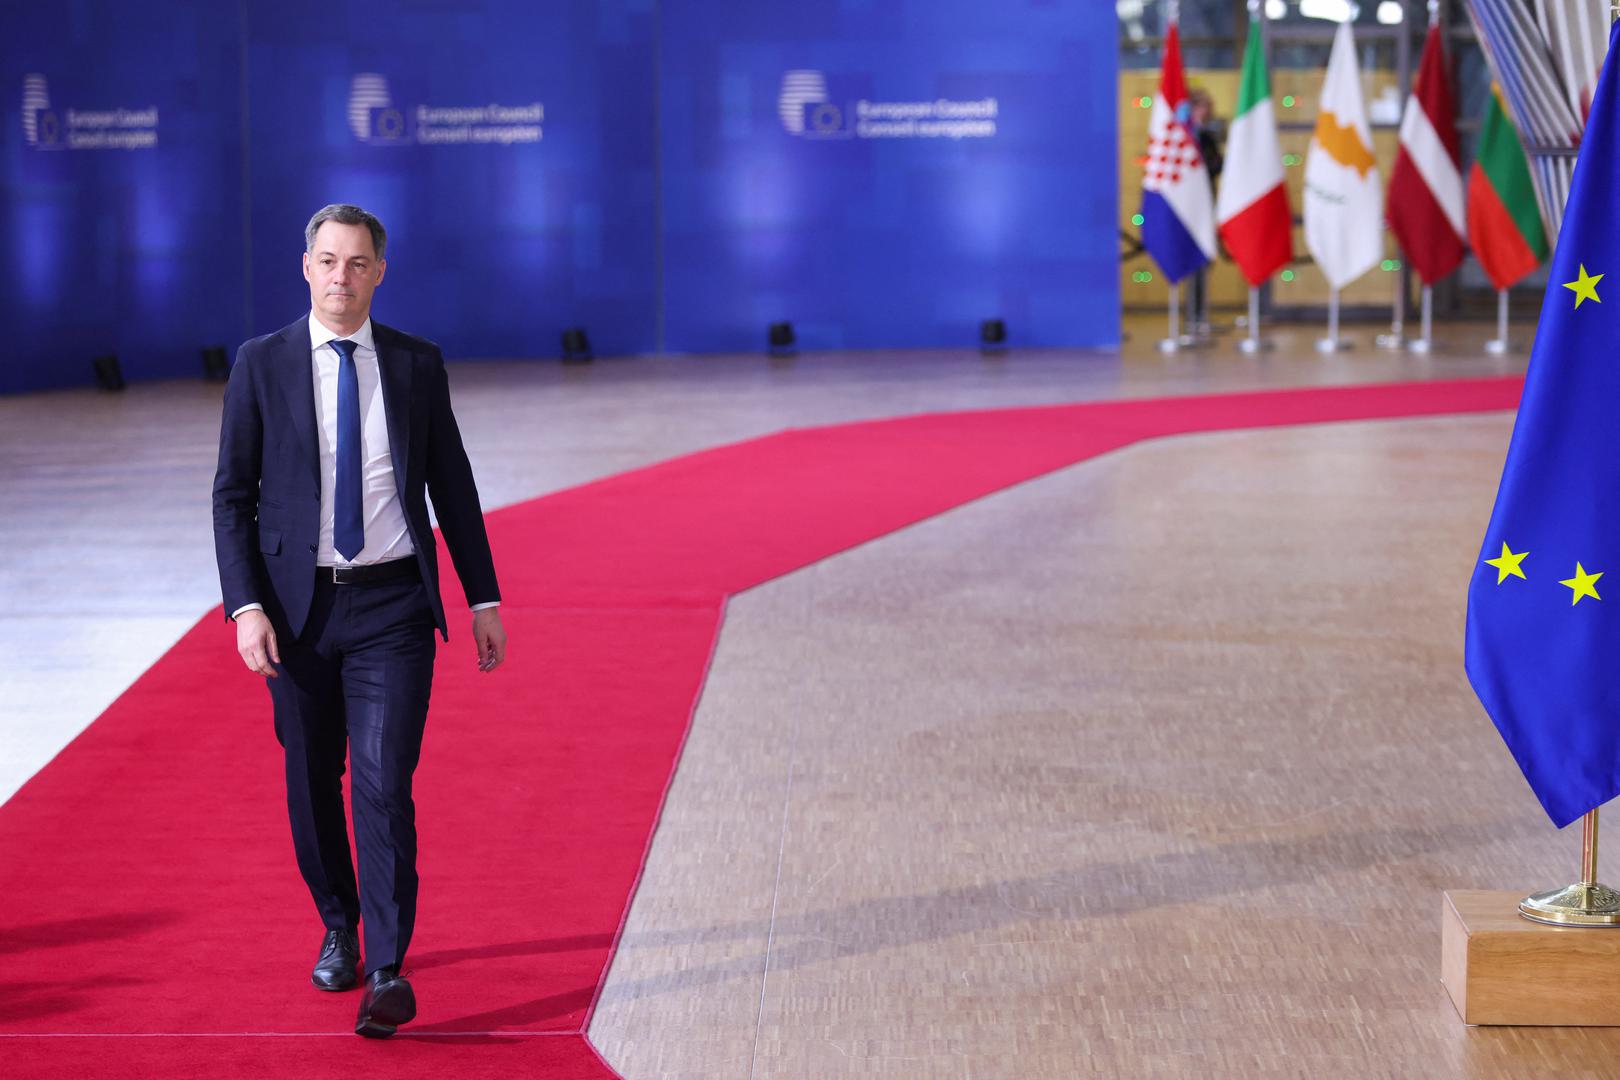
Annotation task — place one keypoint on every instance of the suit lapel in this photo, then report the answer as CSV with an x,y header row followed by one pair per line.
x,y
293,368
394,367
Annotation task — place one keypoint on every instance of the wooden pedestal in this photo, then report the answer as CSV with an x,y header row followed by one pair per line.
x,y
1501,968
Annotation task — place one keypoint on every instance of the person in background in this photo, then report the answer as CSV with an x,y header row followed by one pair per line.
x,y
1209,130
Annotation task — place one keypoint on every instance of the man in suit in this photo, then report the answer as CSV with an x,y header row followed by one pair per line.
x,y
334,429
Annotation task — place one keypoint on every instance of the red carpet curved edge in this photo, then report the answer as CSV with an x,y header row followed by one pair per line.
x,y
151,919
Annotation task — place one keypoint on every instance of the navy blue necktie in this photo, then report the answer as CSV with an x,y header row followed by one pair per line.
x,y
348,521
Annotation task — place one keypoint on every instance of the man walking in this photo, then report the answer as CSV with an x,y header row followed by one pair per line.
x,y
334,430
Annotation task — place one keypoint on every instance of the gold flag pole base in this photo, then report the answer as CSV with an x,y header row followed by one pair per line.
x,y
1586,903
1574,905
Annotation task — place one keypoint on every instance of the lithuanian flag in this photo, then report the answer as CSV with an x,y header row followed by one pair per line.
x,y
1504,223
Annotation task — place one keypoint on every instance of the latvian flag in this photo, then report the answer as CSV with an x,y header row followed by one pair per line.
x,y
1256,225
1425,208
1178,218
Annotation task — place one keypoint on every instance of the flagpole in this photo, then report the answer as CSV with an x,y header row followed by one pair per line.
x,y
1499,346
1200,328
1585,903
1426,342
1396,338
1172,342
1332,343
1252,343
1191,336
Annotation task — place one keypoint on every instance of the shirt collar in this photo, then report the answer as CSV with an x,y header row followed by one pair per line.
x,y
319,335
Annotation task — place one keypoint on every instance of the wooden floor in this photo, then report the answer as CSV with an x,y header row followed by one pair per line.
x,y
1155,766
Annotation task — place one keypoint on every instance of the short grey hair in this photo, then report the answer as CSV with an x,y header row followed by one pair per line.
x,y
344,214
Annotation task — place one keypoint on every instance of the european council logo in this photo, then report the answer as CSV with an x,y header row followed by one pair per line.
x,y
805,108
372,116
39,122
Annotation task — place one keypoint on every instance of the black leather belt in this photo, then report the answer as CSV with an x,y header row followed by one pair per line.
x,y
372,574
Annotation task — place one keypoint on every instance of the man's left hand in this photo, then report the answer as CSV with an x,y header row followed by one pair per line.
x,y
490,638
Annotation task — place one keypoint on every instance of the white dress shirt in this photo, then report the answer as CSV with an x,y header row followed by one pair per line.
x,y
387,536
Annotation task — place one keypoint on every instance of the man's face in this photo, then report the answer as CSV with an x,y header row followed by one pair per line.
x,y
343,271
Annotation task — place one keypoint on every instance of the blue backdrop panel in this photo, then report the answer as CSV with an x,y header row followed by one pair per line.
x,y
120,196
906,221
506,145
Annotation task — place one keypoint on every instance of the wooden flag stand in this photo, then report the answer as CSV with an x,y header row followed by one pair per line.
x,y
1507,959
1498,346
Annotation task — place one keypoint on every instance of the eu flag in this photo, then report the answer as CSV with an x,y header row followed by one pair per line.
x,y
1543,641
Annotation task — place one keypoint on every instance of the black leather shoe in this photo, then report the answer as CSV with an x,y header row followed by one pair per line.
x,y
387,1003
336,968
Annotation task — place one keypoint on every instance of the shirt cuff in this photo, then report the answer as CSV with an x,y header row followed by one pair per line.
x,y
246,607
481,607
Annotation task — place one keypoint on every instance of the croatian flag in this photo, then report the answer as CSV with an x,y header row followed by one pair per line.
x,y
1178,208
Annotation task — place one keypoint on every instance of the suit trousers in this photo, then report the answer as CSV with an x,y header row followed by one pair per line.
x,y
358,679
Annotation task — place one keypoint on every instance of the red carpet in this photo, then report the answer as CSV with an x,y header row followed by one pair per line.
x,y
152,920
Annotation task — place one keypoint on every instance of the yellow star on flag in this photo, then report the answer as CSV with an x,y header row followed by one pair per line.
x,y
1507,564
1583,584
1585,287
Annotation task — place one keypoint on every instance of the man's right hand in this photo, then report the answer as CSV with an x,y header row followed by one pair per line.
x,y
256,643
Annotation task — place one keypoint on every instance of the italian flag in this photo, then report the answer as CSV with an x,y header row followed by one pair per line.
x,y
1504,223
1252,209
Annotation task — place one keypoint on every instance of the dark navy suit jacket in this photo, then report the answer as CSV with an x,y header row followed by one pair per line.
x,y
267,489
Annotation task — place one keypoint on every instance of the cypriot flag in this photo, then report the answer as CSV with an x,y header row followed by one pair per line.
x,y
1343,195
